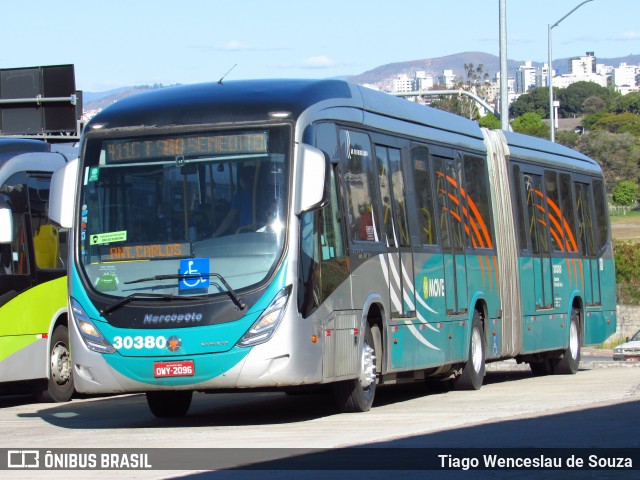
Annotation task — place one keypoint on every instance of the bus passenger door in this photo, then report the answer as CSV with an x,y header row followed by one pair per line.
x,y
539,233
395,227
447,177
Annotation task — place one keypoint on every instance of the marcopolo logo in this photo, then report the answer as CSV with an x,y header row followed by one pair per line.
x,y
189,317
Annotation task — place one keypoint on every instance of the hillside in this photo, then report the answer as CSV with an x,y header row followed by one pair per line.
x,y
456,62
385,73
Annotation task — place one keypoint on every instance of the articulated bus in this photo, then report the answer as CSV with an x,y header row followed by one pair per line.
x,y
34,339
286,234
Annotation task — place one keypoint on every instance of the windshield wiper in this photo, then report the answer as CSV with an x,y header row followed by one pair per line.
x,y
187,276
164,296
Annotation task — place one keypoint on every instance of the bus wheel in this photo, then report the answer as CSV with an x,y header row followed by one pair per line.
x,y
357,395
473,371
171,403
570,360
59,386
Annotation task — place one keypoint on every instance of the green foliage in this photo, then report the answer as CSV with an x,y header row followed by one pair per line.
x,y
616,154
625,193
593,104
627,258
573,97
568,138
531,124
618,123
536,101
627,103
489,121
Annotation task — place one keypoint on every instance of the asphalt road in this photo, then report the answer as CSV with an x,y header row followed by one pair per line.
x,y
597,408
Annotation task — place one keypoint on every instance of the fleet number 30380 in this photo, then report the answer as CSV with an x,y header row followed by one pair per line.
x,y
139,342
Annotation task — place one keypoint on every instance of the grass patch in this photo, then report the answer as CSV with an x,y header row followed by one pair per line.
x,y
610,344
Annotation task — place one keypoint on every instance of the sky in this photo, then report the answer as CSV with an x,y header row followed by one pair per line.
x,y
120,43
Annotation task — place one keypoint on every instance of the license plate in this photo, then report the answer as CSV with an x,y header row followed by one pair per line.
x,y
174,369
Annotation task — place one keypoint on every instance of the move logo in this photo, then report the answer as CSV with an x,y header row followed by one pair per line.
x,y
432,287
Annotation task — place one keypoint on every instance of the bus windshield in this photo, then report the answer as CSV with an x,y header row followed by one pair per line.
x,y
189,208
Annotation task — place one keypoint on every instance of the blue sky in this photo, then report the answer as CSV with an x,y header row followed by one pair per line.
x,y
134,42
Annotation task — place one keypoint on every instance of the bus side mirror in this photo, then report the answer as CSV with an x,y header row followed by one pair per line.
x,y
312,170
6,225
62,194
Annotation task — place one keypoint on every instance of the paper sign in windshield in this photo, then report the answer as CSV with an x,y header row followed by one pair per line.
x,y
111,237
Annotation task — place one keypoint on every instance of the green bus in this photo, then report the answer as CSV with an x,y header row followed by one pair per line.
x,y
34,339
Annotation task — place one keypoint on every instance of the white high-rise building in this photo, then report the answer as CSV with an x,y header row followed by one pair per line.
x,y
525,77
625,78
447,78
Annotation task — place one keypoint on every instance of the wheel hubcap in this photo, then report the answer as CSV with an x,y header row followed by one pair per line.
x,y
476,350
573,340
60,364
368,366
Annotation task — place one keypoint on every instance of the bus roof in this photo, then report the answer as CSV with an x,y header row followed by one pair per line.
x,y
546,152
252,100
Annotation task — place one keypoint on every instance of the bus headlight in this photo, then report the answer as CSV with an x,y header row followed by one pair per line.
x,y
264,327
93,339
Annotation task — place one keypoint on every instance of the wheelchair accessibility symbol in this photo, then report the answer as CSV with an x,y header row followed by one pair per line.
x,y
197,271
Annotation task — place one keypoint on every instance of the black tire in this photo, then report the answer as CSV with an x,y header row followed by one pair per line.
x,y
570,361
59,386
171,403
357,395
472,375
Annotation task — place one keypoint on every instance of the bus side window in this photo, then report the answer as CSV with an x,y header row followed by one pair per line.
x,y
359,178
479,233
17,254
585,219
556,219
569,212
602,224
537,210
521,220
424,196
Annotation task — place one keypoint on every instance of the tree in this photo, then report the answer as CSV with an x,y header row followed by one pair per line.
x,y
619,123
476,82
617,154
572,97
625,193
629,103
531,124
536,101
489,121
568,138
593,104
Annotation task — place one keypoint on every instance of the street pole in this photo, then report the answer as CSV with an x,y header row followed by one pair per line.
x,y
552,124
504,75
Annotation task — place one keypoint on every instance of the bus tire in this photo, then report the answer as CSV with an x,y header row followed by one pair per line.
x,y
472,374
59,386
170,403
357,395
570,361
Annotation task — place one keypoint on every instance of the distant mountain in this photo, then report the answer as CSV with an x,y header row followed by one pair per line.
x,y
385,73
490,63
100,100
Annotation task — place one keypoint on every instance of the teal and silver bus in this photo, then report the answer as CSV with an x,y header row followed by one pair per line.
x,y
34,339
283,234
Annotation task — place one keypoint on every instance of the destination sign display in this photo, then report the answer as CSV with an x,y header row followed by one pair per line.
x,y
144,252
157,148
